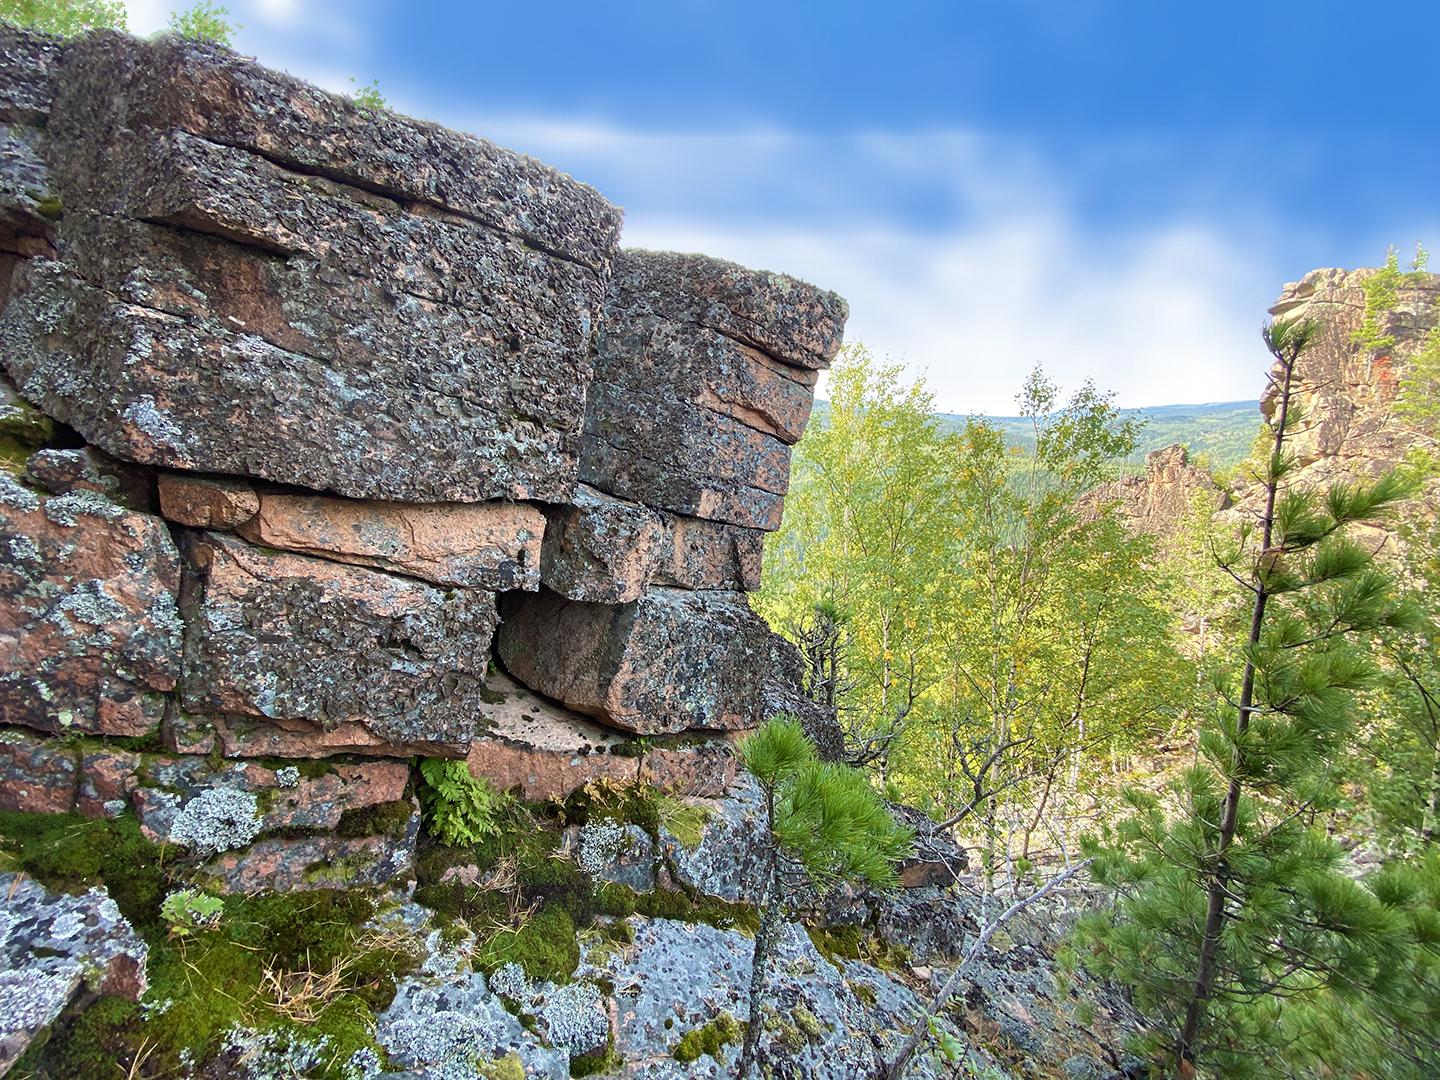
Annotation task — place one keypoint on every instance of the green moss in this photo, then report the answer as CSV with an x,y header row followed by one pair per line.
x,y
311,768
807,1022
865,993
265,800
69,853
786,1034
602,1061
213,981
154,743
50,207
545,946
491,697
710,1039
382,819
836,941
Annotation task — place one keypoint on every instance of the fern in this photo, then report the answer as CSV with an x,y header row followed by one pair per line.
x,y
459,808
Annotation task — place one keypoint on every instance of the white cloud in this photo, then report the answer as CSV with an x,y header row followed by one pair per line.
x,y
1162,312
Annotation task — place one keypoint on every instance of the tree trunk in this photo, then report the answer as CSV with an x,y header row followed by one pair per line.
x,y
765,937
1220,878
1430,821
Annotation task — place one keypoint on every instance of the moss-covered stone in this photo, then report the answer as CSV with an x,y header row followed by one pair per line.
x,y
382,819
710,1039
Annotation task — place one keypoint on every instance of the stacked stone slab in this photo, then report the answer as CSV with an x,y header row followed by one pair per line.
x,y
303,402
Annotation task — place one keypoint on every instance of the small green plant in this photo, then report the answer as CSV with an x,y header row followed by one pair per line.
x,y
205,22
460,808
188,910
369,97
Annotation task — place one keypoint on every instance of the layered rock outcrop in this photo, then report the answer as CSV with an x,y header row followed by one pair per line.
x,y
1164,498
314,419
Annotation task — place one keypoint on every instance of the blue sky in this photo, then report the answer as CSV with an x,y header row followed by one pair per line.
x,y
1116,190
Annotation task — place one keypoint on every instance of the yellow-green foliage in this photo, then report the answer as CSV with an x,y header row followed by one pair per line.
x,y
205,22
710,1039
684,821
64,17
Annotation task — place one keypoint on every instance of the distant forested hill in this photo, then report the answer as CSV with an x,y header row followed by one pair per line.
x,y
1222,431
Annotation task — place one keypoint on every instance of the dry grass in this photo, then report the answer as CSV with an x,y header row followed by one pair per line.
x,y
301,996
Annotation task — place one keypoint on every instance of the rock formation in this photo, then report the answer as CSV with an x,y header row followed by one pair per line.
x,y
1159,502
302,402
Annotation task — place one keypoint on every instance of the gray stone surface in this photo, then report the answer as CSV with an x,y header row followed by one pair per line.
x,y
222,359
271,281
727,861
606,550
672,660
443,1028
51,945
784,317
684,976
288,637
703,379
113,81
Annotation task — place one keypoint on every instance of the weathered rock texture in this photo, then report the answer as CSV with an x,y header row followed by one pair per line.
x,y
52,946
230,271
1165,497
703,381
89,633
294,395
1349,390
288,637
671,660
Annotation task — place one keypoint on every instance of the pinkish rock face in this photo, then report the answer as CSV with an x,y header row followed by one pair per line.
x,y
320,862
713,555
89,631
492,545
106,779
779,315
286,637
669,661
547,750
37,775
602,549
87,469
270,281
229,101
247,737
206,502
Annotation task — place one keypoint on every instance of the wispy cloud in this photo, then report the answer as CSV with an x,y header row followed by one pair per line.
x,y
1161,311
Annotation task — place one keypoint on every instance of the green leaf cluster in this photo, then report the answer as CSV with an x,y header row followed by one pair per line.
x,y
205,22
460,809
824,816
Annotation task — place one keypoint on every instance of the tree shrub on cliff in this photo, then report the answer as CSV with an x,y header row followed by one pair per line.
x,y
985,644
824,824
1237,904
64,18
206,22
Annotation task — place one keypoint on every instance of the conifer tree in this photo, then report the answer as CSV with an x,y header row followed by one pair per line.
x,y
1236,903
824,824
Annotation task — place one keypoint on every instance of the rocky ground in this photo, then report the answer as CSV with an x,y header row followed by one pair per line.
x,y
605,934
